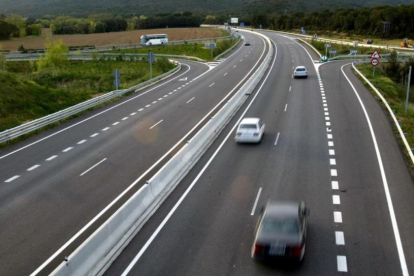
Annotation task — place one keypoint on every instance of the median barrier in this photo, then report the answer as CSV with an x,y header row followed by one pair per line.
x,y
94,256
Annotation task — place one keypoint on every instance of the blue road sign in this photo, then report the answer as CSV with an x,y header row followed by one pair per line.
x,y
332,51
241,24
353,52
151,57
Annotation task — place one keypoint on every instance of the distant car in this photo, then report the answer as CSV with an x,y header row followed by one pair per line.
x,y
247,43
281,233
300,72
250,130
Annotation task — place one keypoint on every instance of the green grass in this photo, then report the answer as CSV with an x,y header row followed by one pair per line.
x,y
188,49
25,96
395,95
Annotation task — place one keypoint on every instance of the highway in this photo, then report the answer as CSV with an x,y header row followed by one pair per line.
x,y
327,142
57,187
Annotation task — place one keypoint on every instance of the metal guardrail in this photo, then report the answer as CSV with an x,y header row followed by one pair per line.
x,y
133,46
400,56
91,56
15,132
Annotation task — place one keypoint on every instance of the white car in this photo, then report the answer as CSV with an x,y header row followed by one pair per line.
x,y
300,72
250,130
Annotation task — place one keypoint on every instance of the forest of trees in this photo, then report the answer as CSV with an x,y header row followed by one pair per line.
x,y
367,21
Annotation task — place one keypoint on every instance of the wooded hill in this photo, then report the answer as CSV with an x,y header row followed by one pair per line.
x,y
238,8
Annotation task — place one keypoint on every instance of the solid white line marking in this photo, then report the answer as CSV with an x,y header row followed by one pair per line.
x,y
398,242
257,200
140,109
92,167
156,124
337,217
339,238
67,149
330,136
211,84
33,168
11,179
336,199
148,105
290,88
133,113
330,144
334,172
105,129
191,99
114,124
335,185
52,157
224,74
153,236
277,138
331,152
332,162
342,267
286,107
80,142
94,135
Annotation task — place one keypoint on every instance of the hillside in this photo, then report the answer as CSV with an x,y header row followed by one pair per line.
x,y
38,8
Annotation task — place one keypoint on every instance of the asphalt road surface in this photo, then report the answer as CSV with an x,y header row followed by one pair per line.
x,y
328,142
57,187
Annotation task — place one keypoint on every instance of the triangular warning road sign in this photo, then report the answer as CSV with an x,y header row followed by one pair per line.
x,y
376,54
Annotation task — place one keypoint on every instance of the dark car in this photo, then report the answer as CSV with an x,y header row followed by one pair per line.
x,y
281,233
247,43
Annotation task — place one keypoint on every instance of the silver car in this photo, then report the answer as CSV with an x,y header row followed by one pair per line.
x,y
250,130
300,72
281,233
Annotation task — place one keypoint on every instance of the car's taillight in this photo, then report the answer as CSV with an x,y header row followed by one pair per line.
x,y
259,249
296,251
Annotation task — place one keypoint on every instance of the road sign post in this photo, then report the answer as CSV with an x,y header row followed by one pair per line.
x,y
151,61
375,58
117,78
326,49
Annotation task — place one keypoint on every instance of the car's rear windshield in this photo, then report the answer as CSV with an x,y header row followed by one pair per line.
x,y
247,126
300,69
286,226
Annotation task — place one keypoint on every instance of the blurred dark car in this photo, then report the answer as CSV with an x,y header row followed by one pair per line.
x,y
281,233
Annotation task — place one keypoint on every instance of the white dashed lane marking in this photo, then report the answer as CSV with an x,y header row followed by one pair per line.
x,y
224,74
52,157
330,144
140,109
336,199
331,152
125,118
79,143
114,124
342,267
67,149
277,138
148,105
332,162
92,167
335,185
334,172
191,99
339,238
156,124
133,113
105,129
94,135
337,217
12,178
211,84
33,168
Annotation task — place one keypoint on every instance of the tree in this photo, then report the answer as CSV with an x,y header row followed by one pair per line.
x,y
55,55
7,30
18,21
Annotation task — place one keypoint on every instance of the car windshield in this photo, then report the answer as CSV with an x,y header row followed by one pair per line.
x,y
247,126
280,226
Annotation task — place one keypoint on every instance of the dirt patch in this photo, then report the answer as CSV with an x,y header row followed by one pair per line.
x,y
117,38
